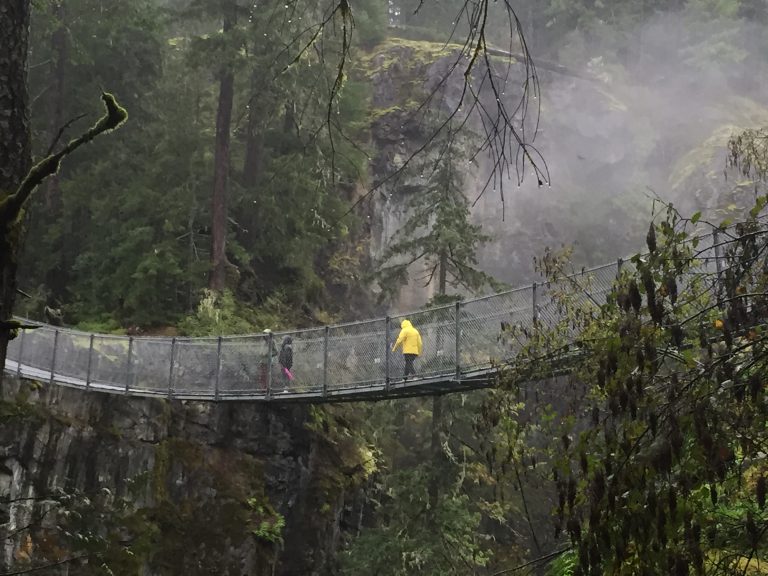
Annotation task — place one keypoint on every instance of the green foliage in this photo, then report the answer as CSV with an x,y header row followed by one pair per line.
x,y
123,235
104,325
403,542
219,313
438,234
370,21
84,239
268,525
748,152
563,565
661,470
477,523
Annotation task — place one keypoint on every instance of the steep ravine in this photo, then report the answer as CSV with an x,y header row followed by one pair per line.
x,y
257,489
201,488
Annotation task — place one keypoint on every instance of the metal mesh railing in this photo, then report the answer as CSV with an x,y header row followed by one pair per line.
x,y
458,340
357,355
494,328
245,366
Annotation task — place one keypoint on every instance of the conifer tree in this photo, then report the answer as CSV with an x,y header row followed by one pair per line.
x,y
18,179
438,232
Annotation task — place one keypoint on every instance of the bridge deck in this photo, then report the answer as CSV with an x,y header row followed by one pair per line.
x,y
415,386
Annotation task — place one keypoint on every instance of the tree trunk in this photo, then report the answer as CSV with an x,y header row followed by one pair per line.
x,y
436,443
57,276
254,146
437,457
442,285
15,153
218,276
59,55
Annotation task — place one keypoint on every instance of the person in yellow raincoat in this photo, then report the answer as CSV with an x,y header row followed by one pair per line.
x,y
410,340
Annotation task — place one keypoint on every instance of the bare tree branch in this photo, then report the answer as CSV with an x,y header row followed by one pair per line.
x,y
61,132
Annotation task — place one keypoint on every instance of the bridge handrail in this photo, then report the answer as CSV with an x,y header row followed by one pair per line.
x,y
458,338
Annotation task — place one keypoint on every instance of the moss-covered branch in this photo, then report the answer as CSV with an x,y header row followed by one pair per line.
x,y
114,116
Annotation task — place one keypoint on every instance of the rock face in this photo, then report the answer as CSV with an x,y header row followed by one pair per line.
x,y
401,74
189,487
611,142
522,220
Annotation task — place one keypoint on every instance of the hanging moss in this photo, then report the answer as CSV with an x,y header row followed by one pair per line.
x,y
421,53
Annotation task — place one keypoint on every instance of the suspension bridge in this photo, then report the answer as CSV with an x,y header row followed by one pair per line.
x,y
464,345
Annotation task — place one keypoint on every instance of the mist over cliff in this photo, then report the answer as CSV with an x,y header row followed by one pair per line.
x,y
647,120
650,121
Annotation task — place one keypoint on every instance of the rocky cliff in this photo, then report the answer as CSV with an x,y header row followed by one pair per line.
x,y
613,139
580,125
151,486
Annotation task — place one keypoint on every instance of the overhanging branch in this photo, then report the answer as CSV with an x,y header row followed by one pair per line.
x,y
114,116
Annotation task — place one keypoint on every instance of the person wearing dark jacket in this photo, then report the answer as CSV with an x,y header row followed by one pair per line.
x,y
286,361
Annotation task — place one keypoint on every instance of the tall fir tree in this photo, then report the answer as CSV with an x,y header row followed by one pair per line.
x,y
438,235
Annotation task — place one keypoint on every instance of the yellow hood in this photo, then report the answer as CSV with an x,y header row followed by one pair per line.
x,y
409,339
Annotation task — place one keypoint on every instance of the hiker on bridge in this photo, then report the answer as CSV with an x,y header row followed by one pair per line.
x,y
273,349
410,340
286,361
269,348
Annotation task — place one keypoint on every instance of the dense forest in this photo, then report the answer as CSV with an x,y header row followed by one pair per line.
x,y
294,249
294,164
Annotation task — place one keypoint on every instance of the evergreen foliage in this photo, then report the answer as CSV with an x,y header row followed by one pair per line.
x,y
660,471
402,533
403,543
107,257
220,313
123,239
438,237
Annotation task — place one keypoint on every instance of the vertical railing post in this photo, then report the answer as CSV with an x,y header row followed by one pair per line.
x,y
719,268
128,362
218,370
270,345
170,370
457,319
325,361
21,352
534,306
90,362
387,323
53,356
716,245
619,264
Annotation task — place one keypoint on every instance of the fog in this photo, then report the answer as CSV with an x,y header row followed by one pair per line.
x,y
652,121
